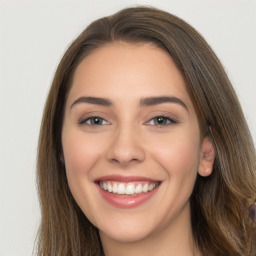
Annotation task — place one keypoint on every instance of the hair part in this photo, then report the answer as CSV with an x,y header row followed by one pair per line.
x,y
219,203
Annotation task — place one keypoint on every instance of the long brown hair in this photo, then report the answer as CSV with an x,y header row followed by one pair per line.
x,y
219,203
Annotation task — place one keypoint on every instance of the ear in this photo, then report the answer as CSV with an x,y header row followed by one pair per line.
x,y
207,158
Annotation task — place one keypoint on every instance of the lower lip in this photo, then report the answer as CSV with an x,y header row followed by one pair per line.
x,y
126,201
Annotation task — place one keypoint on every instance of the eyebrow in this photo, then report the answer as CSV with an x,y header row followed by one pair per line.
x,y
93,100
148,101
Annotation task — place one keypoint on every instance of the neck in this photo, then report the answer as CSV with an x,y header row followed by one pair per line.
x,y
173,240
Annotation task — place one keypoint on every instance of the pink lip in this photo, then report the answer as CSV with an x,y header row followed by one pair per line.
x,y
125,201
122,178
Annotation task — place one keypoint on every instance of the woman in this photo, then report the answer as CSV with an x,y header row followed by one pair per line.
x,y
140,152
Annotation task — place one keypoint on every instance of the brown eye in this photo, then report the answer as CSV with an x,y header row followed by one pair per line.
x,y
161,121
94,120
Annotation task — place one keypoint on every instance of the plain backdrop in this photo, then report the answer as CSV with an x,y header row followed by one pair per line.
x,y
34,36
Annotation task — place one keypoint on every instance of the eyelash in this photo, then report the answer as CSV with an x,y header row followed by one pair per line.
x,y
85,121
167,121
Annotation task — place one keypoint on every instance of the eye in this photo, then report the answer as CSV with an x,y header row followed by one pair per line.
x,y
93,120
161,121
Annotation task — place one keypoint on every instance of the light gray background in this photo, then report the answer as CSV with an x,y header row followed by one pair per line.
x,y
34,36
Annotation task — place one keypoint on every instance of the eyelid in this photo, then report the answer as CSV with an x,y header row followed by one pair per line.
x,y
163,117
83,120
169,121
159,113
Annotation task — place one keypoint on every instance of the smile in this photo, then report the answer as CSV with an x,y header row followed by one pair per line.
x,y
126,192
131,188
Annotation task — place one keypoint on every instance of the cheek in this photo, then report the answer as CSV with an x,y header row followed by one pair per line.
x,y
179,156
80,154
186,157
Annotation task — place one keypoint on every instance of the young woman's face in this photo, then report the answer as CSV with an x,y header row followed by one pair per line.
x,y
131,142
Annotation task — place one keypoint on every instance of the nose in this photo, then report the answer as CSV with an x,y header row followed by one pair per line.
x,y
126,148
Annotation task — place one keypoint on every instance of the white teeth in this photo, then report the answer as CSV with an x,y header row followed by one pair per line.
x,y
145,188
114,188
121,189
151,187
109,187
138,189
128,188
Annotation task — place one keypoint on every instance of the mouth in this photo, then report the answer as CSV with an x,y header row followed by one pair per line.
x,y
126,192
131,188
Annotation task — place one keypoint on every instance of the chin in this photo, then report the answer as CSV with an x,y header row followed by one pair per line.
x,y
125,236
126,231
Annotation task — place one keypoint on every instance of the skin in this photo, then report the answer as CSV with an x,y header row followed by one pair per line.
x,y
129,142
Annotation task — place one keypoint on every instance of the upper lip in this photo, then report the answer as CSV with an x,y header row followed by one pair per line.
x,y
122,178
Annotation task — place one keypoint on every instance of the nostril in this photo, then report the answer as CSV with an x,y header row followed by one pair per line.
x,y
124,161
125,148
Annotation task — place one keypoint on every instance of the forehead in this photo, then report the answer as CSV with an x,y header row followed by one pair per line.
x,y
132,70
